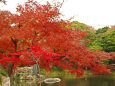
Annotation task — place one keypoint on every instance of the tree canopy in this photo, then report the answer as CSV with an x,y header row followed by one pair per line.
x,y
40,25
102,30
108,42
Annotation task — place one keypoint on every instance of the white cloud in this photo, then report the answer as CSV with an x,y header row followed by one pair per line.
x,y
92,12
96,13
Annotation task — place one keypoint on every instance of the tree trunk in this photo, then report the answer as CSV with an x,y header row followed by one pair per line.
x,y
35,70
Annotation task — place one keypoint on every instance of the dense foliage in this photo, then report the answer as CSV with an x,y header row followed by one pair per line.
x,y
102,30
37,25
108,42
104,40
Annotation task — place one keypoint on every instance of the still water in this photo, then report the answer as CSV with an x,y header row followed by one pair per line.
x,y
99,80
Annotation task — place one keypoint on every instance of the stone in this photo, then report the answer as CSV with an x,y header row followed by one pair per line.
x,y
5,81
52,80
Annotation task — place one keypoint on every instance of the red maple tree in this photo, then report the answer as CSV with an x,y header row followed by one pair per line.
x,y
41,25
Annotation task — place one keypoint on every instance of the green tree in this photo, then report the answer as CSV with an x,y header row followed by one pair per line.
x,y
102,30
95,45
90,36
83,27
76,24
97,42
108,42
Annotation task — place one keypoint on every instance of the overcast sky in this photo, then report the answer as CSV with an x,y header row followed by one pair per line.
x,y
97,13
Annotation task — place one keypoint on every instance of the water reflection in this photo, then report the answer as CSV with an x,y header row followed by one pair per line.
x,y
100,80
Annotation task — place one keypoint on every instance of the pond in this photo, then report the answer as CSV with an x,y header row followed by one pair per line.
x,y
98,80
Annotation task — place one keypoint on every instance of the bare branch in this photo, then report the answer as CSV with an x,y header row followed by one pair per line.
x,y
61,4
3,1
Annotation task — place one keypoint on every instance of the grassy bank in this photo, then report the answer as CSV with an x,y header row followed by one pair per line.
x,y
64,74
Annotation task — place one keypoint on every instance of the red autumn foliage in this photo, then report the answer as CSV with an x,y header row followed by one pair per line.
x,y
27,58
40,25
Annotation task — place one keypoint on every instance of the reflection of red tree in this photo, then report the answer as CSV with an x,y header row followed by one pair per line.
x,y
61,83
78,84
